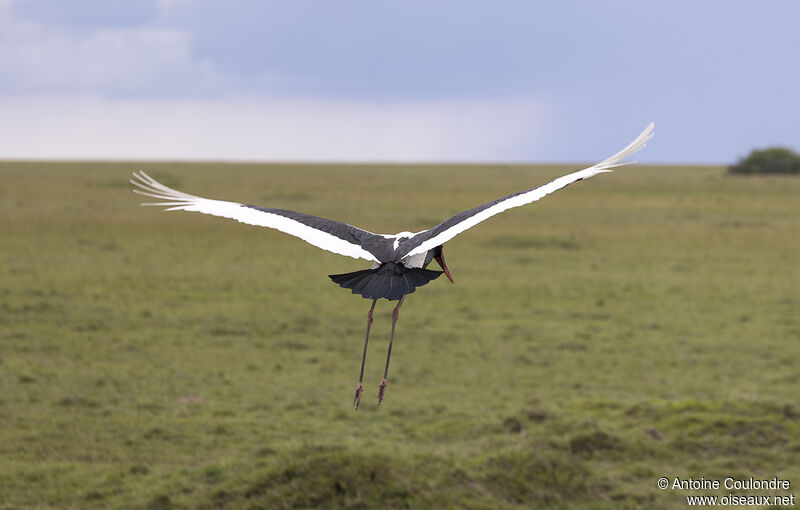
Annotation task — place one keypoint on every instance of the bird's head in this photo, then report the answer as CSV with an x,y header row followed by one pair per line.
x,y
437,254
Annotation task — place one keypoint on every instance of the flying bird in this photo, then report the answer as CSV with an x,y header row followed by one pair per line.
x,y
399,261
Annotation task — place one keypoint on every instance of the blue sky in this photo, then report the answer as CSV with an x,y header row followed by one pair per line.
x,y
298,80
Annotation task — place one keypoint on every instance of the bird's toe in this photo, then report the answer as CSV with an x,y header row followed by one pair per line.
x,y
382,390
357,397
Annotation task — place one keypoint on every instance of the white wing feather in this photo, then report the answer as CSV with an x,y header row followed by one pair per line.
x,y
537,193
178,201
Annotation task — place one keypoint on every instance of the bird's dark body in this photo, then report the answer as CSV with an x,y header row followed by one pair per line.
x,y
390,280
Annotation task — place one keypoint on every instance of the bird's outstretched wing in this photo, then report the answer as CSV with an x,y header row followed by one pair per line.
x,y
438,235
330,235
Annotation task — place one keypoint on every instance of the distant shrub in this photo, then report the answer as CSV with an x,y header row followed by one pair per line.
x,y
772,160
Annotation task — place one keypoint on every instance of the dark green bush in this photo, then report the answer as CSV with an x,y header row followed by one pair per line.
x,y
772,160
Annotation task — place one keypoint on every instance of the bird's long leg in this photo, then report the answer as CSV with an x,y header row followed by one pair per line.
x,y
360,386
395,315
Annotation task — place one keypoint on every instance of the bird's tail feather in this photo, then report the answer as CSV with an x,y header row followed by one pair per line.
x,y
389,280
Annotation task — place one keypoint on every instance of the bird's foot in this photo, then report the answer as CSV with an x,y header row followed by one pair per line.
x,y
357,397
381,390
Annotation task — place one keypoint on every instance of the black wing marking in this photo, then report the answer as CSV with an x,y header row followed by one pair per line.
x,y
330,235
438,235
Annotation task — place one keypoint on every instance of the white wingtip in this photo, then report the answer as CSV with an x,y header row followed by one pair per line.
x,y
635,146
149,187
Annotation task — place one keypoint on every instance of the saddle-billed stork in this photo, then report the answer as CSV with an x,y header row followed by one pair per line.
x,y
399,260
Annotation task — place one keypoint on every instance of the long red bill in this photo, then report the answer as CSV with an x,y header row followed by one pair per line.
x,y
443,264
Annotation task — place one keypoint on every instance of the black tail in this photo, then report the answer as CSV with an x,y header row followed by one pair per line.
x,y
390,280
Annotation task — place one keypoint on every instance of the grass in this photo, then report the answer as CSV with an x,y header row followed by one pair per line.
x,y
641,324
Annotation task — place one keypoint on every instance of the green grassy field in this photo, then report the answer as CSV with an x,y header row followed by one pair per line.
x,y
637,325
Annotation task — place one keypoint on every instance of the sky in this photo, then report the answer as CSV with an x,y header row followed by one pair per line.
x,y
439,81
